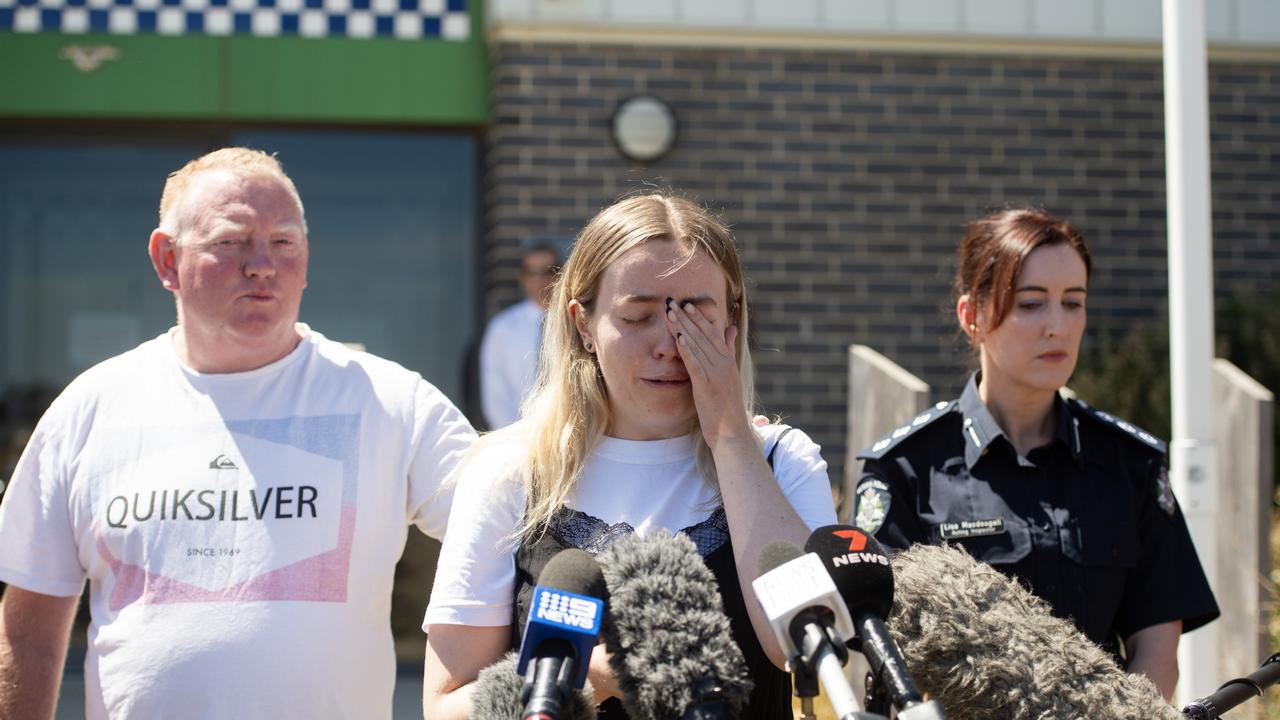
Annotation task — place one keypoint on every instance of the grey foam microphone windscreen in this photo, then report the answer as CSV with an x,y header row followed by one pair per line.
x,y
496,695
666,629
988,649
775,555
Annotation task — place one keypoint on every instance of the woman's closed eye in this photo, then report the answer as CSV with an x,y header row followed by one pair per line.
x,y
1030,305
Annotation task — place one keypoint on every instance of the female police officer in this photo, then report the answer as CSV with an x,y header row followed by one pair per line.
x,y
1070,500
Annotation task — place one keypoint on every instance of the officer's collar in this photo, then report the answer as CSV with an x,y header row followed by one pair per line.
x,y
980,429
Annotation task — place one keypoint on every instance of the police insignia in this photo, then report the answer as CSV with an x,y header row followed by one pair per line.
x,y
873,505
1164,493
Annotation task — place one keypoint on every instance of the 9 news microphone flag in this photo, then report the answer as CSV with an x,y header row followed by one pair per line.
x,y
564,622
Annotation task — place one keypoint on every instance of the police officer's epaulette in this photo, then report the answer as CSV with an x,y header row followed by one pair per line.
x,y
889,441
1079,408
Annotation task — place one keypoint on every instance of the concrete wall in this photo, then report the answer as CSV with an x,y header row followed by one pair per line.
x,y
1244,412
881,396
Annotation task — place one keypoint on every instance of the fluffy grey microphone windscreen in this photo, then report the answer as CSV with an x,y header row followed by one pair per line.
x,y
988,649
775,555
666,629
496,695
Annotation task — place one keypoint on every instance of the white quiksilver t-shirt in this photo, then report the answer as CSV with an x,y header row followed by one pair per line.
x,y
239,531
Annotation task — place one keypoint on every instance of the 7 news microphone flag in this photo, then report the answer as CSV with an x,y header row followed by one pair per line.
x,y
860,569
810,622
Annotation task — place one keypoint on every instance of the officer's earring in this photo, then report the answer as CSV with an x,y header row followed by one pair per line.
x,y
587,344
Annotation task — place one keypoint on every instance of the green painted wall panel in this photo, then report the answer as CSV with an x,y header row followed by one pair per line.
x,y
344,80
153,77
246,78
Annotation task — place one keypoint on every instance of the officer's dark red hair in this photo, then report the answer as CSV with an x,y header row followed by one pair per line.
x,y
995,247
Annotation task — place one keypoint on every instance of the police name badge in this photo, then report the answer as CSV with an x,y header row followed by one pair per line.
x,y
960,529
1164,493
873,500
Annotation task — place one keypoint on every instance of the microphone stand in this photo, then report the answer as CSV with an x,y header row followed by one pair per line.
x,y
888,679
1234,692
821,655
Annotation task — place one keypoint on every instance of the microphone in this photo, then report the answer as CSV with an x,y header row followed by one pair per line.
x,y
860,569
496,695
986,648
668,637
810,621
564,622
1234,692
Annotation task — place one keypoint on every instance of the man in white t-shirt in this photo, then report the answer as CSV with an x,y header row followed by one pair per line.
x,y
236,491
509,350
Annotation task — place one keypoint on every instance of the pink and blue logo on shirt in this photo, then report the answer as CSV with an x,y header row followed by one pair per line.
x,y
271,518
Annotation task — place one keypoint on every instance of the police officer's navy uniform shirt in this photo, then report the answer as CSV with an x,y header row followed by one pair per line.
x,y
1088,522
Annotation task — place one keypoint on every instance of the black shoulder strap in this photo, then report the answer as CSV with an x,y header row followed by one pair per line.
x,y
1080,408
890,440
776,442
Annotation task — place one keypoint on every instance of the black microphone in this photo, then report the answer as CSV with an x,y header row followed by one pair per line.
x,y
565,616
496,695
667,634
1234,692
987,649
860,569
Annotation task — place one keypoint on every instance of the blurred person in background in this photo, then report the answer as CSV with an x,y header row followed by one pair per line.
x,y
509,349
1073,502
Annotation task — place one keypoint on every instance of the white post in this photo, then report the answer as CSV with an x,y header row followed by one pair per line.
x,y
1193,454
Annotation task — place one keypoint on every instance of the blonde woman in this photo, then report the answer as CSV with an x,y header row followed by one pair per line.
x,y
640,421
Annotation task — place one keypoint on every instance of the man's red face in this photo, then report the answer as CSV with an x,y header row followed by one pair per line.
x,y
241,260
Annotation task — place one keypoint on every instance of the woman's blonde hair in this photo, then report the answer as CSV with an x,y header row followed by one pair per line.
x,y
567,413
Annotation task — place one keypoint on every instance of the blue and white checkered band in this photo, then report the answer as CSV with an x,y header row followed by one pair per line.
x,y
402,19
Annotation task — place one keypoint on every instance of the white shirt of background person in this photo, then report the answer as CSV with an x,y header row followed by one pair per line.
x,y
509,350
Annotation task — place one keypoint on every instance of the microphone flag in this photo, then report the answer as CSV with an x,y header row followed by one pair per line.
x,y
562,615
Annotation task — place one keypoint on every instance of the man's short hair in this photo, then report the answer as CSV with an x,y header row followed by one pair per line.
x,y
543,246
241,161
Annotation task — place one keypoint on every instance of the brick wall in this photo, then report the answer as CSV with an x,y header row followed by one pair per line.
x,y
848,178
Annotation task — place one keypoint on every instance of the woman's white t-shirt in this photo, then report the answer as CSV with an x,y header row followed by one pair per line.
x,y
646,485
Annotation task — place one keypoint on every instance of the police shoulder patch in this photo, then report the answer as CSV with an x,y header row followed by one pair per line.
x,y
897,435
1082,409
871,504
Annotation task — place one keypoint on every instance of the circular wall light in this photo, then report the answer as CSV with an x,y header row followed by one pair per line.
x,y
644,128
